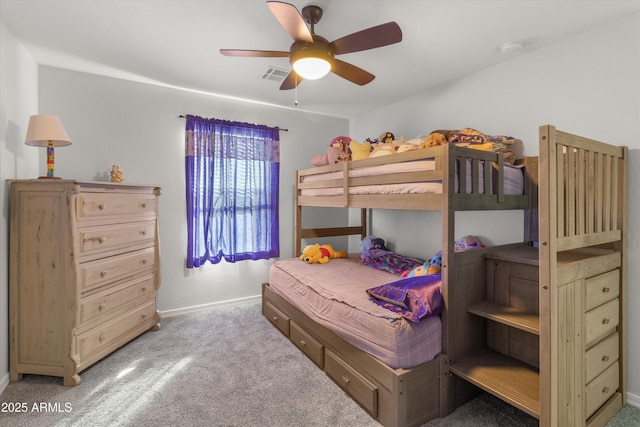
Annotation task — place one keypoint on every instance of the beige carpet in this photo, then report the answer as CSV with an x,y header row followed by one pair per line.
x,y
221,367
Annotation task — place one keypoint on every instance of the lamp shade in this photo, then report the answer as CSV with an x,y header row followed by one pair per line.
x,y
312,68
43,129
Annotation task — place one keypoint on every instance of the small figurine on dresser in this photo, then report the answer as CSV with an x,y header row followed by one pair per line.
x,y
116,174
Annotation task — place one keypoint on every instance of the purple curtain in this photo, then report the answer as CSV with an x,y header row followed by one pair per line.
x,y
232,185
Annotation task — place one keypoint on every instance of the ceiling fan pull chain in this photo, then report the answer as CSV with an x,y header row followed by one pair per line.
x,y
295,101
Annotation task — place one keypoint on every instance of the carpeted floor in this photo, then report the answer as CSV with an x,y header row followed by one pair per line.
x,y
221,367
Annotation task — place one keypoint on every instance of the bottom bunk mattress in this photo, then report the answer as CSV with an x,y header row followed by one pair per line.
x,y
335,296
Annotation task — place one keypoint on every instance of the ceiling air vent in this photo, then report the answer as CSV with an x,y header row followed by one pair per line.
x,y
274,74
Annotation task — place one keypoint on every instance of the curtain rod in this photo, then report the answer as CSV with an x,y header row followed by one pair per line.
x,y
282,129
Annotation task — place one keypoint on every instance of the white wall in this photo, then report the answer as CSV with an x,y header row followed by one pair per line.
x,y
588,85
18,101
137,126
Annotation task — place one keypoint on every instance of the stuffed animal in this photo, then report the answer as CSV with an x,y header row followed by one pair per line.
x,y
433,266
358,150
407,147
372,242
386,138
466,243
383,150
338,150
320,254
116,174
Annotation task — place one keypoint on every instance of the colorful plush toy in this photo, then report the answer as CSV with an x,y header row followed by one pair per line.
x,y
372,242
467,242
358,150
320,254
435,264
338,150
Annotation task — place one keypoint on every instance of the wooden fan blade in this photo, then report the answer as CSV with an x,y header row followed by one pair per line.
x,y
371,38
255,53
351,72
291,20
291,81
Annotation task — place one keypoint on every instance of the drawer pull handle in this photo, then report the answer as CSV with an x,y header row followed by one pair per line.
x,y
144,261
346,379
143,232
275,318
100,240
101,206
144,205
605,390
144,315
144,289
605,358
101,338
103,274
605,290
101,307
605,321
302,343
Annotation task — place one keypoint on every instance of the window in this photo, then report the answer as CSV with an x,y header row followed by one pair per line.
x,y
232,184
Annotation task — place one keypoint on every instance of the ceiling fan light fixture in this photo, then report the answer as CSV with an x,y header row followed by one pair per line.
x,y
312,61
312,68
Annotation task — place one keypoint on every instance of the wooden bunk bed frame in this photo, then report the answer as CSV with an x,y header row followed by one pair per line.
x,y
411,397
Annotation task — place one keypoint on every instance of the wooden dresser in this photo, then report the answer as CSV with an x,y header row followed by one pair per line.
x,y
84,273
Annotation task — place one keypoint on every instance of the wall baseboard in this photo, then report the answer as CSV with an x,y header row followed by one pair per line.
x,y
633,400
4,382
169,313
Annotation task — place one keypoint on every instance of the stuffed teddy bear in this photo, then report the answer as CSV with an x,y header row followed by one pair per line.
x,y
386,138
439,137
116,174
320,254
372,242
358,150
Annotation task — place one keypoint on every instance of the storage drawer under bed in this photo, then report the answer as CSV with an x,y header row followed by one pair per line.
x,y
358,387
307,344
277,318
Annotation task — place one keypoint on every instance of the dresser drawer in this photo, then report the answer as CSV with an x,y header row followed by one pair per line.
x,y
358,387
278,318
602,288
111,299
307,344
103,336
106,270
601,321
601,356
602,388
102,238
105,205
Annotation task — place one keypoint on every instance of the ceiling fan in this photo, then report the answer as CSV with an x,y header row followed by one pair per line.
x,y
311,55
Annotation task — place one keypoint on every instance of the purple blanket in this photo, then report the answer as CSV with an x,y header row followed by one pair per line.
x,y
414,298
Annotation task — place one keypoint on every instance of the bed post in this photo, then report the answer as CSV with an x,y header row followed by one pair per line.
x,y
531,190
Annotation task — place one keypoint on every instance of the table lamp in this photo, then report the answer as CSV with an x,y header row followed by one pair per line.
x,y
47,131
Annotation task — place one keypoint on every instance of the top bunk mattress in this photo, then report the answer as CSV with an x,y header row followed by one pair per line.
x,y
513,180
334,295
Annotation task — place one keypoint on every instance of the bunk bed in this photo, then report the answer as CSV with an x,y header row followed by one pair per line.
x,y
490,339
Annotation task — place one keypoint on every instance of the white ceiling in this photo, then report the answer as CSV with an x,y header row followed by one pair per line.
x,y
176,43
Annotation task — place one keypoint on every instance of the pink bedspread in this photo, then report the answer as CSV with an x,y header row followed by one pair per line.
x,y
334,295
